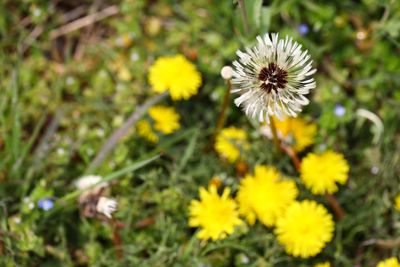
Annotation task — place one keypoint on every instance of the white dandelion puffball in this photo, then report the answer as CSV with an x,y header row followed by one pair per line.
x,y
272,78
106,206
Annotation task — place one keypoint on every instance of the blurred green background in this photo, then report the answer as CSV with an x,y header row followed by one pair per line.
x,y
71,71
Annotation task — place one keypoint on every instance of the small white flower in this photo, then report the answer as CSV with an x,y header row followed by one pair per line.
x,y
87,181
272,78
106,206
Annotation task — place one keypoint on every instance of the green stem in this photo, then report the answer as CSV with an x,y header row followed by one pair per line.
x,y
221,116
244,16
274,134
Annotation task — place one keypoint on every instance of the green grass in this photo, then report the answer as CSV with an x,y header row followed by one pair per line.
x,y
61,99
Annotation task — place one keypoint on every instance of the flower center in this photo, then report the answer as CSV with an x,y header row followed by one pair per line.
x,y
272,78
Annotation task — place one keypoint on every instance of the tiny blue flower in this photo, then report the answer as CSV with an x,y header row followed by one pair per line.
x,y
303,29
339,110
46,204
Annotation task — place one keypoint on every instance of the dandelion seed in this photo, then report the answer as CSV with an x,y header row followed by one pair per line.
x,y
106,206
272,78
305,228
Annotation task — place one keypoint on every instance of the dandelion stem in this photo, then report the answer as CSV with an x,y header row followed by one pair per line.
x,y
274,134
116,238
221,116
244,16
113,140
293,155
336,207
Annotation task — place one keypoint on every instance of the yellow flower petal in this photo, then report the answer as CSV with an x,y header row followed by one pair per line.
x,y
304,229
265,195
175,74
230,142
217,216
320,173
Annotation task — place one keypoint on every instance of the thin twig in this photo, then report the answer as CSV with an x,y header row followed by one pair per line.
x,y
123,130
85,21
31,38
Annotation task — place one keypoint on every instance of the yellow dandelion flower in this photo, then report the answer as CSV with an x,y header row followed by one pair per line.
x,y
397,202
175,74
166,120
230,142
323,264
144,130
391,262
265,195
320,173
217,216
296,132
304,229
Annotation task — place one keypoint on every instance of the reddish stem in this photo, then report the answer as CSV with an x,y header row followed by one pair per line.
x,y
336,207
117,238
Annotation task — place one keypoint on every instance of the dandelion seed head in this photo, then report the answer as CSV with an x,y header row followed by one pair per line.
x,y
272,78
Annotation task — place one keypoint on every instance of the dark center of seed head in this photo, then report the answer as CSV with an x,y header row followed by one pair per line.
x,y
272,78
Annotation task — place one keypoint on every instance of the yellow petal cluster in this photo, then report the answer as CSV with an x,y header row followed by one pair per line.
x,y
175,74
391,262
397,202
230,142
296,132
265,195
217,216
304,229
145,130
164,120
321,172
323,264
